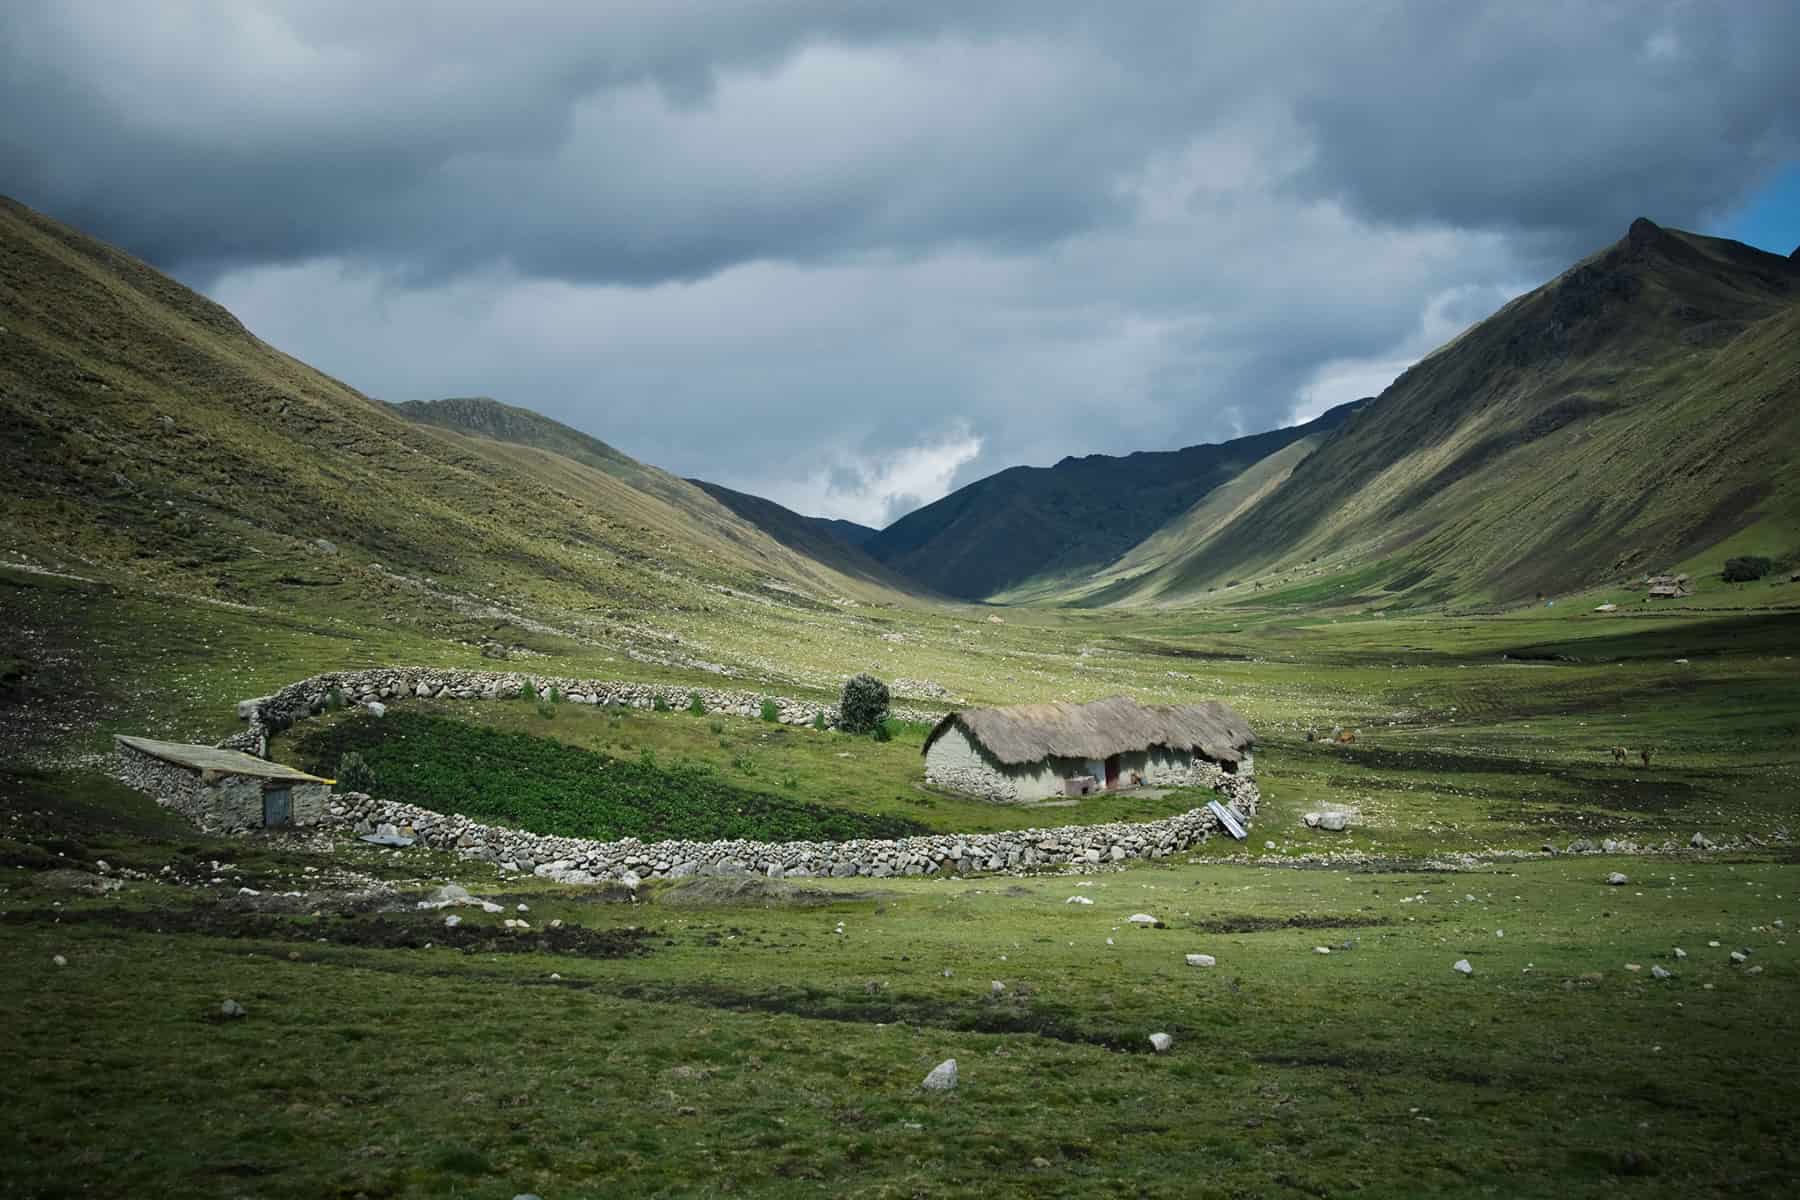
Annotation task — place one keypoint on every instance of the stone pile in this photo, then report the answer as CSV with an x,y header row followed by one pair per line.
x,y
384,685
582,860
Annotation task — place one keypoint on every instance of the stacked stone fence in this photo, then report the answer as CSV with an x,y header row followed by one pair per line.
x,y
307,697
582,860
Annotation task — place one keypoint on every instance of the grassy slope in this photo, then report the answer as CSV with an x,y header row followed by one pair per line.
x,y
1002,533
148,433
1637,413
817,538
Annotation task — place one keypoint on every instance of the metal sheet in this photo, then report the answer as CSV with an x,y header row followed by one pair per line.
x,y
1232,822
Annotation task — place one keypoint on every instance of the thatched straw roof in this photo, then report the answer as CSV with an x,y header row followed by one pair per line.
x,y
1027,733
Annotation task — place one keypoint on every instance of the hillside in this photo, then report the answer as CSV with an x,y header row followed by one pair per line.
x,y
148,433
1641,411
1036,527
838,544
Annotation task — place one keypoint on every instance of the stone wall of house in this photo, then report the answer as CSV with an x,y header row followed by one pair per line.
x,y
956,761
217,803
385,685
581,860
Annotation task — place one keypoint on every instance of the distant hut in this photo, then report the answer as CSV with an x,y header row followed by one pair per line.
x,y
1033,751
1669,587
221,789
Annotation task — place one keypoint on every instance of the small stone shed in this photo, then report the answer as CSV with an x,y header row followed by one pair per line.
x,y
225,790
1034,751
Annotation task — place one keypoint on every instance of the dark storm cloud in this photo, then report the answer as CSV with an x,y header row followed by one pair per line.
x,y
849,254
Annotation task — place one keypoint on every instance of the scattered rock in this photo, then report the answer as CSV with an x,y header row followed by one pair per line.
x,y
488,906
376,708
1740,956
67,879
1618,879
1660,972
1202,960
1462,966
1334,822
1700,841
524,908
1143,919
59,960
452,921
1321,949
1077,900
231,1010
942,1077
1161,1042
1680,953
996,988
450,893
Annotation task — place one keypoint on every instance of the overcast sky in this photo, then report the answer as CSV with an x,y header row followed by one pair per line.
x,y
850,256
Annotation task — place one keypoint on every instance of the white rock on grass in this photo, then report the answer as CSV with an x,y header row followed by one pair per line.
x,y
1077,900
1618,879
942,1077
1161,1042
1462,967
488,906
1657,972
1680,953
452,921
231,1010
1142,919
1202,960
1321,949
59,960
524,908
996,988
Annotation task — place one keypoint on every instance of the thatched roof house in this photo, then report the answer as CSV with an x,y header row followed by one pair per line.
x,y
1031,751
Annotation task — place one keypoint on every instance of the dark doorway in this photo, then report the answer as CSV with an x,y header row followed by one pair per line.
x,y
277,806
1112,772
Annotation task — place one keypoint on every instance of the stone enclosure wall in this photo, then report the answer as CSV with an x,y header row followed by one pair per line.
x,y
296,701
957,761
581,860
217,803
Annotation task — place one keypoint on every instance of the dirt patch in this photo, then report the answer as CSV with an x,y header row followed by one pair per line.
x,y
379,933
1245,924
1013,1014
749,891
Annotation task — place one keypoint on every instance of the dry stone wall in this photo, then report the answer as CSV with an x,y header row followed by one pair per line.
x,y
581,860
307,697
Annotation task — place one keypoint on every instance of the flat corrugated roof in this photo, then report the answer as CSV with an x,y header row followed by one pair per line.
x,y
211,758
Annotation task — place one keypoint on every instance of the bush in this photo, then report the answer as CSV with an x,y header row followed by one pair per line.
x,y
863,705
546,710
658,704
555,696
354,774
716,726
528,691
881,732
1747,567
819,722
771,711
696,705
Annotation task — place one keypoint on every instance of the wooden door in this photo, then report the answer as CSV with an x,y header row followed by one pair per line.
x,y
277,806
1112,772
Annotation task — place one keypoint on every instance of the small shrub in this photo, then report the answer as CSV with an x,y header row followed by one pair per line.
x,y
546,710
819,722
770,710
790,782
716,726
744,763
1747,567
863,705
528,691
555,696
647,757
881,732
354,773
659,704
697,706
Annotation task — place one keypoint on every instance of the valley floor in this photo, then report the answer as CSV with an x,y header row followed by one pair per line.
x,y
742,1038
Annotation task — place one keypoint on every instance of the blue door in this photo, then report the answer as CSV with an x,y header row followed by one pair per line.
x,y
276,806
